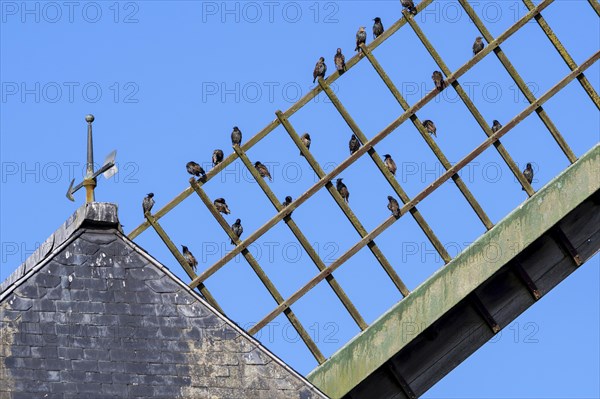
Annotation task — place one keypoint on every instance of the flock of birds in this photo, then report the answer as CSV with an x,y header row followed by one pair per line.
x,y
196,170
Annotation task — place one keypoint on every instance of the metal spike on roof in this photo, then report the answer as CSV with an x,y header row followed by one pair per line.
x,y
108,170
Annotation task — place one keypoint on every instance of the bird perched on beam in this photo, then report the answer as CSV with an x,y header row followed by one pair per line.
x,y
237,229
217,157
221,206
148,203
194,169
190,259
361,38
409,5
377,27
320,69
288,200
354,144
306,141
528,173
496,126
390,164
262,170
340,61
343,190
438,79
430,126
393,206
236,136
478,45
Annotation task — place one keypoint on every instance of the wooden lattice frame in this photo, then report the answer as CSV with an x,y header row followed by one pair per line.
x,y
409,205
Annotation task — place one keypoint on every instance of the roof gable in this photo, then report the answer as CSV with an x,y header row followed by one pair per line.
x,y
97,314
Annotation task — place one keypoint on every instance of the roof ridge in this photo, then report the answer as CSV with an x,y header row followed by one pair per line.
x,y
95,213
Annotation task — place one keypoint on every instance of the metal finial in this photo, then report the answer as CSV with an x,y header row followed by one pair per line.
x,y
89,182
90,148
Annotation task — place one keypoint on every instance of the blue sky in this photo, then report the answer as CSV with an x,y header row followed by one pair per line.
x,y
168,81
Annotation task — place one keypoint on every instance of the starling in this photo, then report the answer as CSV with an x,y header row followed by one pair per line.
x,y
194,169
377,27
148,203
217,157
390,164
438,79
262,170
478,45
528,173
393,206
410,6
342,189
237,229
306,141
354,144
236,136
221,206
288,200
340,61
320,69
191,260
496,126
361,38
430,126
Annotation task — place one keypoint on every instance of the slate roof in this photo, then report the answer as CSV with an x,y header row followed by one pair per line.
x,y
91,314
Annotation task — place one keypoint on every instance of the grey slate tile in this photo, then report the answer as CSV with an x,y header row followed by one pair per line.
x,y
63,387
100,378
70,353
31,291
125,378
17,303
46,280
145,391
89,387
44,351
85,365
118,390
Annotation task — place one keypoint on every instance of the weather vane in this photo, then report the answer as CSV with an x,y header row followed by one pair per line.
x,y
108,170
